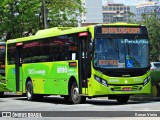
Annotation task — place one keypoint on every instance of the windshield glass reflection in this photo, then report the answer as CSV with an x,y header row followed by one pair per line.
x,y
121,53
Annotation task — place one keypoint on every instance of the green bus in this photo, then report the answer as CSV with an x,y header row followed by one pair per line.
x,y
94,61
2,68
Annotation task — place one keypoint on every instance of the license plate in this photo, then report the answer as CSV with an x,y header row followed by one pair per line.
x,y
126,89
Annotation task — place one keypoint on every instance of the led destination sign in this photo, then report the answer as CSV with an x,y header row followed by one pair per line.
x,y
120,30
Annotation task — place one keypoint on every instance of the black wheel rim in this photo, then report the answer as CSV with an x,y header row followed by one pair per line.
x,y
29,91
75,94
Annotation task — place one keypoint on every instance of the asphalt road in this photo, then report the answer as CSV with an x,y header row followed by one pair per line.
x,y
55,107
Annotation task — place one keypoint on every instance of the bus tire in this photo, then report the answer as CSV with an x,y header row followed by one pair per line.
x,y
74,95
1,94
29,91
122,99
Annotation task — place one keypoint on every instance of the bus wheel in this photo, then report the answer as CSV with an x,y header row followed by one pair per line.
x,y
29,91
1,94
75,97
122,99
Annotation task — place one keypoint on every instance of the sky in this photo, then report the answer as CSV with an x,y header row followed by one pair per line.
x,y
127,2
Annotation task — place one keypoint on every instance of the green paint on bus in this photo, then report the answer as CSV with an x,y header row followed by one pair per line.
x,y
98,60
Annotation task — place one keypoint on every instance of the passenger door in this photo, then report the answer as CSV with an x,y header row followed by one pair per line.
x,y
18,66
84,61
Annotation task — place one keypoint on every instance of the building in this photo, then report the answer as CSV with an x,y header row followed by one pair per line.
x,y
156,1
93,13
147,8
114,12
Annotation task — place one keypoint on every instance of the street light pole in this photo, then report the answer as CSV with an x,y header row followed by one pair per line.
x,y
44,14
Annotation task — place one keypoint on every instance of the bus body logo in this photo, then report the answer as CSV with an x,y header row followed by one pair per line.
x,y
61,69
33,72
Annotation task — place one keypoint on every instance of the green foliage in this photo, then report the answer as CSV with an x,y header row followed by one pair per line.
x,y
132,18
152,22
64,12
19,16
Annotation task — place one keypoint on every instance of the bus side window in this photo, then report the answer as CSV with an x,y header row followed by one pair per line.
x,y
11,54
72,52
71,47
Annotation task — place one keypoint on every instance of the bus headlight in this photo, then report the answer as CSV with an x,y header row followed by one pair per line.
x,y
100,80
97,78
104,82
146,80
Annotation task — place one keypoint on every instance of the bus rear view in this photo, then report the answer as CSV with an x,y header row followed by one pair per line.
x,y
121,61
2,68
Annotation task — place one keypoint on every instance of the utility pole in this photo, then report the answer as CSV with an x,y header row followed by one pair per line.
x,y
44,18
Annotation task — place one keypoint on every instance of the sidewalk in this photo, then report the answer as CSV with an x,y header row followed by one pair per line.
x,y
144,98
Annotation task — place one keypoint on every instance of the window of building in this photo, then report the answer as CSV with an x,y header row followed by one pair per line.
x,y
110,8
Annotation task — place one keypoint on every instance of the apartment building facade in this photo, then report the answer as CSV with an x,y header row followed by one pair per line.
x,y
117,12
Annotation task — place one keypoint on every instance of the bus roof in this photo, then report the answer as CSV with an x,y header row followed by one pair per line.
x,y
120,24
51,32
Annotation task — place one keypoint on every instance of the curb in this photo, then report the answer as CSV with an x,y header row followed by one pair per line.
x,y
144,98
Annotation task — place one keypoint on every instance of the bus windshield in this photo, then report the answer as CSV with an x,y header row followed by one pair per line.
x,y
121,53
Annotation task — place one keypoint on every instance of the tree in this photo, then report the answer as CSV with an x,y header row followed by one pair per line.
x,y
152,22
19,16
64,12
132,17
